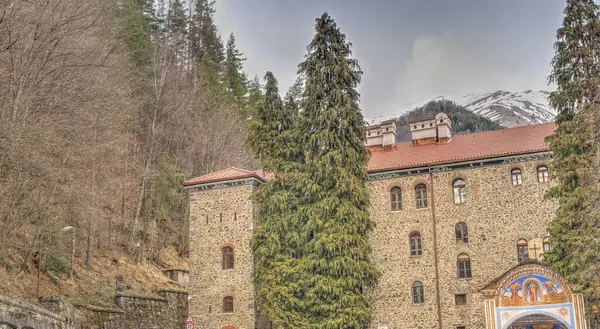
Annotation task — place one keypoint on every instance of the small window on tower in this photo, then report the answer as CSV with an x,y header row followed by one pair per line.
x,y
542,173
460,299
228,304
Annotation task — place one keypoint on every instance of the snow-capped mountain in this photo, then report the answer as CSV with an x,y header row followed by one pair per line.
x,y
509,109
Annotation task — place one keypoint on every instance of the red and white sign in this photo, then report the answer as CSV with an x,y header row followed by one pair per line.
x,y
189,322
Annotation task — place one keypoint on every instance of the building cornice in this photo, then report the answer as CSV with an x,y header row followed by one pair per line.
x,y
223,184
461,165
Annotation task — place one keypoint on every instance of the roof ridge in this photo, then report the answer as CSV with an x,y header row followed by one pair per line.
x,y
509,128
489,131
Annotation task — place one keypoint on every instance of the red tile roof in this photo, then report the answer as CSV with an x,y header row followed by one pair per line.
x,y
230,173
476,146
468,147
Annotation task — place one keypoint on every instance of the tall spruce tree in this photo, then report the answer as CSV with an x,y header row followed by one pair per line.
x,y
177,27
204,40
335,200
276,242
575,230
234,76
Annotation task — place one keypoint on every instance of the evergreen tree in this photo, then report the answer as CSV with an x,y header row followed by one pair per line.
x,y
177,28
276,242
135,33
204,39
255,96
235,78
337,270
575,230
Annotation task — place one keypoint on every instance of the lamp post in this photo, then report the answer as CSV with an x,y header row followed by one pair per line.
x,y
71,228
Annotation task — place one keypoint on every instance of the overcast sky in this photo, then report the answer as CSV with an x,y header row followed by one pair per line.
x,y
410,50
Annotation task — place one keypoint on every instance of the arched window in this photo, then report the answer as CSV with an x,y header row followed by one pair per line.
x,y
462,234
517,178
460,191
228,304
396,198
522,250
415,244
542,174
228,257
546,244
464,266
418,293
421,195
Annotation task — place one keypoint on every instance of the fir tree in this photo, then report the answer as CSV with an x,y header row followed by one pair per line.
x,y
204,39
276,242
135,32
575,230
255,96
337,271
177,28
235,79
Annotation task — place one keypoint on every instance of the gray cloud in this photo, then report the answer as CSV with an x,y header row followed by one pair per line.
x,y
410,51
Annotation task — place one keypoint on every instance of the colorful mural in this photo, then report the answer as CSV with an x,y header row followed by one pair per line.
x,y
533,290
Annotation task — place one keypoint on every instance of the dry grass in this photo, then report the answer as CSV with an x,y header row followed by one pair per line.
x,y
95,285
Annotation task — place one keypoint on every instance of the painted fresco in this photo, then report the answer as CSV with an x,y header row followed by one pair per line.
x,y
533,290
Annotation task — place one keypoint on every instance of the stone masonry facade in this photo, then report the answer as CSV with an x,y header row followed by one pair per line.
x,y
221,216
497,215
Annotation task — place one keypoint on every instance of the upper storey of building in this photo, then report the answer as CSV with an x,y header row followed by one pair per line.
x,y
432,145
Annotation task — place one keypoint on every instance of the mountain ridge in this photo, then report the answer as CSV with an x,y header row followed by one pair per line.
x,y
508,109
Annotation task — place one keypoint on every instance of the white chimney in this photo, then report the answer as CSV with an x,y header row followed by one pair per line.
x,y
431,129
444,127
383,134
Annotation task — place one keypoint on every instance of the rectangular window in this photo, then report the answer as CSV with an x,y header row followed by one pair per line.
x,y
461,327
460,299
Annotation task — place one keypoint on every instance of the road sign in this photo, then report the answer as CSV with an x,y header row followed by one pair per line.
x,y
189,319
190,326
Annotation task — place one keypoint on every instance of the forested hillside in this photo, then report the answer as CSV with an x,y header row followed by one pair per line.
x,y
105,108
463,120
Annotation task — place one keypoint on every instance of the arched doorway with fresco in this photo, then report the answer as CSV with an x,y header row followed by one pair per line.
x,y
531,296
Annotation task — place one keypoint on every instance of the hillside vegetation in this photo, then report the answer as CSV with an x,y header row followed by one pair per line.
x,y
106,107
463,120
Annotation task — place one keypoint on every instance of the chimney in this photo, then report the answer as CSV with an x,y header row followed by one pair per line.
x,y
444,127
383,134
431,129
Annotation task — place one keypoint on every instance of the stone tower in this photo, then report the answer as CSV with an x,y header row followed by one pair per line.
x,y
221,224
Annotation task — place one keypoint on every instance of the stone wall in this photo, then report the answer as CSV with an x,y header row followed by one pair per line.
x,y
20,315
497,214
168,310
221,215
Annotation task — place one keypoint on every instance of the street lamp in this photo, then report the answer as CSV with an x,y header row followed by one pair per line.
x,y
71,228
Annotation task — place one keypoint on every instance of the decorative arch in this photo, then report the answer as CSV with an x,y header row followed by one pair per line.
x,y
528,289
538,312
